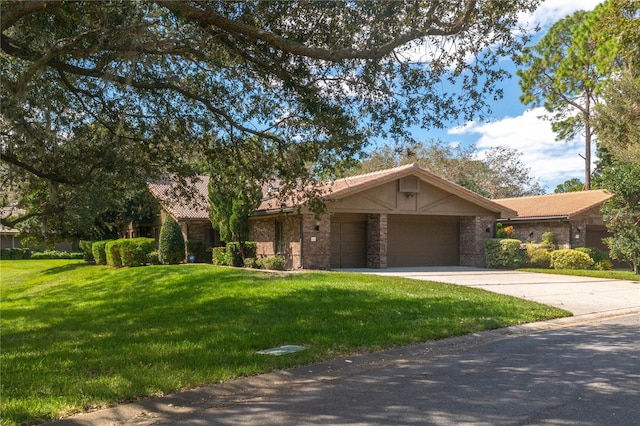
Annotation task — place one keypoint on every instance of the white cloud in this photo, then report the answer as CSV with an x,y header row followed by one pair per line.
x,y
551,11
551,162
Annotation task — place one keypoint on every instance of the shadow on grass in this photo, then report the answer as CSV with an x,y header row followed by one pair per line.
x,y
145,331
65,268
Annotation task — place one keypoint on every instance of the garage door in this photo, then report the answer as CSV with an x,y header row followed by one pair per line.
x,y
348,243
423,241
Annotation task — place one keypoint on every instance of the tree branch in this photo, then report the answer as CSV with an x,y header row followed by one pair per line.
x,y
13,12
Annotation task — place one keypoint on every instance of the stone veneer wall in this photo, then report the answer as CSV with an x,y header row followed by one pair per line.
x,y
531,232
473,233
377,241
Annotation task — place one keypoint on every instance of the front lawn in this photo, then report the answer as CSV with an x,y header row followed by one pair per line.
x,y
76,337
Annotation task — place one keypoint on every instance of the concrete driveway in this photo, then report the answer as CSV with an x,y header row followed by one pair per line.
x,y
578,295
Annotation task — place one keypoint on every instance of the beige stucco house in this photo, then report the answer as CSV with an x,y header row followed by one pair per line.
x,y
405,216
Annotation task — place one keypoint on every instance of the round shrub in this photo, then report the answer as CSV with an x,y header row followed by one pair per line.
x,y
251,262
152,258
171,243
549,239
98,248
274,263
537,257
570,259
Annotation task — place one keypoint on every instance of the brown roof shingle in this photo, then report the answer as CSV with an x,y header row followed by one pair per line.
x,y
563,205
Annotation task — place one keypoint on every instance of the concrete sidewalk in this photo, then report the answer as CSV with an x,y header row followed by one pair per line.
x,y
578,295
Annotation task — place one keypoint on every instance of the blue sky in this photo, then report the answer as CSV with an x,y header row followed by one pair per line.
x,y
517,126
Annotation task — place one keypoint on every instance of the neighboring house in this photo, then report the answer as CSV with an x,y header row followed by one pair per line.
x,y
574,218
404,216
11,238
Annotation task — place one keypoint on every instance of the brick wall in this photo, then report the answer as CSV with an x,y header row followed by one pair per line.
x,y
263,232
473,233
316,234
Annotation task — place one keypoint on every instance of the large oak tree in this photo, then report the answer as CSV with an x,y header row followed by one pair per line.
x,y
99,93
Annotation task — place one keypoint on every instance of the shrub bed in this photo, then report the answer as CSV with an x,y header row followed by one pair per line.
x,y
55,254
504,253
15,253
570,259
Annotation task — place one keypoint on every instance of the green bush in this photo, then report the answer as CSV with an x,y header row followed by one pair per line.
x,y
98,248
112,248
134,251
570,259
199,250
87,250
219,256
504,253
603,265
537,257
55,254
15,253
152,258
595,254
274,263
171,244
251,262
234,256
549,240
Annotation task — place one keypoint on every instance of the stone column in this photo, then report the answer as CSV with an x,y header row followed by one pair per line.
x,y
473,232
377,241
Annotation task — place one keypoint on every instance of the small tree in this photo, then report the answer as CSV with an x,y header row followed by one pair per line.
x,y
171,243
622,213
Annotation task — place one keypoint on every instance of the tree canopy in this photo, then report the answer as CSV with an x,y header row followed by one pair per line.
x,y
568,68
121,91
500,174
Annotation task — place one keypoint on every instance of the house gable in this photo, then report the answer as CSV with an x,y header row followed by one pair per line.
x,y
392,198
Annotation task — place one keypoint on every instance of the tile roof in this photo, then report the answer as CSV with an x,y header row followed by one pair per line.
x,y
197,207
563,205
183,203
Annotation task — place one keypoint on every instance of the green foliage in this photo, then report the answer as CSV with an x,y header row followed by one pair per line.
x,y
501,174
56,254
251,262
273,263
91,111
135,251
87,250
153,258
603,265
504,253
237,252
98,249
549,240
171,242
537,257
621,213
595,254
219,256
570,259
199,250
15,253
112,250
571,185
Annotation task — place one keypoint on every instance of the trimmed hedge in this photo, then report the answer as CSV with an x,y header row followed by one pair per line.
x,y
537,257
15,253
55,254
87,250
504,253
134,251
98,249
219,256
112,249
274,263
570,259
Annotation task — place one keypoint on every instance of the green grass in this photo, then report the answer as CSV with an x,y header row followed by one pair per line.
x,y
76,337
615,275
